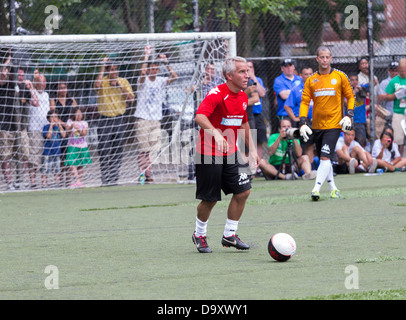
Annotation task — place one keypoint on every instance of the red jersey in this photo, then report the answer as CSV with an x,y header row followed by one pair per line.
x,y
227,111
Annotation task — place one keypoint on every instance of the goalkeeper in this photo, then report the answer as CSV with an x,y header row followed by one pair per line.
x,y
327,88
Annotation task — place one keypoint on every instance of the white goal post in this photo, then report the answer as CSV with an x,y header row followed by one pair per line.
x,y
99,77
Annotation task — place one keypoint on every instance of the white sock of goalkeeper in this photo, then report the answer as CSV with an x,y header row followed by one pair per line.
x,y
330,179
201,228
322,173
230,228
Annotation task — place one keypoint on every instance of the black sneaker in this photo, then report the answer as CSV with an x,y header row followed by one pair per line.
x,y
234,241
201,244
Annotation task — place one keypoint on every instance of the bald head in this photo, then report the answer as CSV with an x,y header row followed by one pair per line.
x,y
402,68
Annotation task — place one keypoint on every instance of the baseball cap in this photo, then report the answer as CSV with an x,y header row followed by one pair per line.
x,y
393,65
285,62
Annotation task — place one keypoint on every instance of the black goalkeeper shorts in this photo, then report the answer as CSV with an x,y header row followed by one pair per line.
x,y
215,174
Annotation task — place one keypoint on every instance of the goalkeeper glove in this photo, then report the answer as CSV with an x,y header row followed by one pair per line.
x,y
305,130
346,122
400,94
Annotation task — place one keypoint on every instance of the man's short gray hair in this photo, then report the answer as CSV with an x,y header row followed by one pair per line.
x,y
229,65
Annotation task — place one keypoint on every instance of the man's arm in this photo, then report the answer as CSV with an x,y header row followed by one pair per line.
x,y
253,155
172,74
99,79
204,123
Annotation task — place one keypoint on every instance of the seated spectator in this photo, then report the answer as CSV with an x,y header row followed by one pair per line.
x,y
351,156
277,147
386,152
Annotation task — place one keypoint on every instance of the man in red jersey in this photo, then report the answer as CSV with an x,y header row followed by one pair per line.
x,y
221,116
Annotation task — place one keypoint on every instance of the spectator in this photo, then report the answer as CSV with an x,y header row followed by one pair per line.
x,y
351,156
63,104
22,143
277,147
8,126
393,71
53,133
253,98
292,107
363,75
210,79
396,92
36,122
150,88
386,152
114,95
360,109
292,103
283,85
77,155
259,120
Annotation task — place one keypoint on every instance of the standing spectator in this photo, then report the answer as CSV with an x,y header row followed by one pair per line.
x,y
360,110
77,154
327,87
53,133
63,103
396,92
114,94
292,107
210,79
219,116
36,122
387,154
259,120
393,71
352,157
282,86
8,126
22,142
150,91
292,103
363,75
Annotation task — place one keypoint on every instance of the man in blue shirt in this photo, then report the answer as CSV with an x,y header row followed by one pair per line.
x,y
283,84
292,103
259,121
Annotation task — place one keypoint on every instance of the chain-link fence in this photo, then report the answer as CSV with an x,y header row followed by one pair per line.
x,y
267,31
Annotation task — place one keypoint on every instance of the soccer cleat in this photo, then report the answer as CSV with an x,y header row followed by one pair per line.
x,y
201,244
234,241
315,195
335,194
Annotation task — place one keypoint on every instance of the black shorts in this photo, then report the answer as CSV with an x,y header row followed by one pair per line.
x,y
214,174
261,128
326,141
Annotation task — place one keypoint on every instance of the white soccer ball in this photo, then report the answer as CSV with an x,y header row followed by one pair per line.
x,y
281,246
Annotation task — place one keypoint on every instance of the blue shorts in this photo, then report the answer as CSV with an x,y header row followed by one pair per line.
x,y
51,164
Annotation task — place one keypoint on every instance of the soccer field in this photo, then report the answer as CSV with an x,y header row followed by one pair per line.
x,y
134,242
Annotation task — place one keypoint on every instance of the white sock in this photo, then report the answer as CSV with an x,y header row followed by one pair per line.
x,y
230,228
330,179
322,173
201,228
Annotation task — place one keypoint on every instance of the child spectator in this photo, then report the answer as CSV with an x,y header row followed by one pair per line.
x,y
53,133
77,153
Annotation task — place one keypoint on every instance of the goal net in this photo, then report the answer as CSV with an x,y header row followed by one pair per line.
x,y
92,110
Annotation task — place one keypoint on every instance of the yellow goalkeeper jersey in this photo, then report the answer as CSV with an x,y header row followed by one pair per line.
x,y
327,92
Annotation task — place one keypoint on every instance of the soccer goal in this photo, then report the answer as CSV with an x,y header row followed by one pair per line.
x,y
127,143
